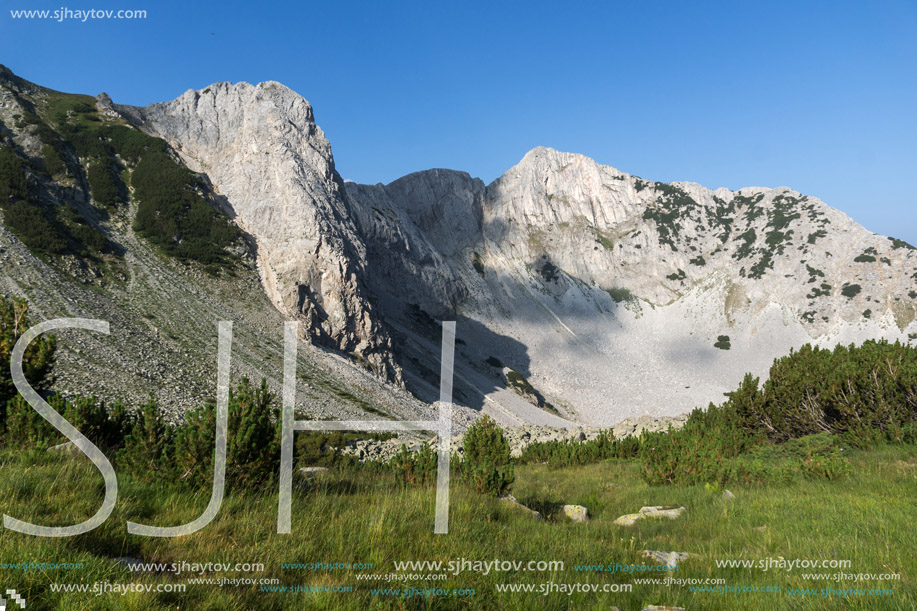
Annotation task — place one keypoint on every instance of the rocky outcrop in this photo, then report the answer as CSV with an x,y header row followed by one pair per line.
x,y
512,502
599,295
262,150
416,229
669,559
518,438
650,512
548,269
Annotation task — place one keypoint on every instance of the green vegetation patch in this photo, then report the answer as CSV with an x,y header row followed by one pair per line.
x,y
896,244
813,237
604,240
621,295
44,228
677,276
822,291
723,342
171,212
477,263
851,290
672,205
747,240
549,272
173,215
814,273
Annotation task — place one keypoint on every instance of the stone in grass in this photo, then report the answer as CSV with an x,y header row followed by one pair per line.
x,y
728,495
657,511
509,499
576,513
311,472
127,562
661,608
67,447
671,559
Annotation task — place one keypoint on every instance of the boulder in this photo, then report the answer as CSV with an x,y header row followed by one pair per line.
x,y
511,500
671,559
657,511
576,513
311,472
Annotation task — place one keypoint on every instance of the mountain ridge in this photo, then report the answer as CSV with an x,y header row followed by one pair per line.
x,y
582,293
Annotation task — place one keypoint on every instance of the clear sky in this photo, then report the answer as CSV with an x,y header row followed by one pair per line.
x,y
817,96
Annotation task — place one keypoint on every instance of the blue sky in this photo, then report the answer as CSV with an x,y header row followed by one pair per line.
x,y
817,96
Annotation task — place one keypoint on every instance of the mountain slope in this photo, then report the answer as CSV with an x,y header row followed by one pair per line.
x,y
582,293
86,251
619,297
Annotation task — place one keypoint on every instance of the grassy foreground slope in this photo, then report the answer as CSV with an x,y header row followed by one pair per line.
x,y
357,517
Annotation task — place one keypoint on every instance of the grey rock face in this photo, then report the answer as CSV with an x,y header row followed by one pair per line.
x,y
511,500
614,296
262,150
415,228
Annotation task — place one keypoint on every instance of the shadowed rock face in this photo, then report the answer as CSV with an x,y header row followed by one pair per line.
x,y
417,230
262,150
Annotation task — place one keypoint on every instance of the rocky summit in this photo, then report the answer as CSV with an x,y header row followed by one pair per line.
x,y
583,295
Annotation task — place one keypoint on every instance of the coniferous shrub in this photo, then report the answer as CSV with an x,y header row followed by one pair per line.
x,y
52,161
105,428
35,226
857,391
39,355
571,454
26,429
487,461
147,451
194,445
253,444
417,468
13,180
104,184
172,215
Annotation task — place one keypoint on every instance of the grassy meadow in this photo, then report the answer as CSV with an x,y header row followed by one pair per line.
x,y
351,515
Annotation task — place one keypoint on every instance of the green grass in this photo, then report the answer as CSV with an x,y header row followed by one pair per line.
x,y
355,516
604,240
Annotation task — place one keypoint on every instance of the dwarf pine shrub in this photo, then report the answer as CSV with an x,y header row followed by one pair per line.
x,y
417,468
572,454
253,445
252,442
487,461
147,449
38,357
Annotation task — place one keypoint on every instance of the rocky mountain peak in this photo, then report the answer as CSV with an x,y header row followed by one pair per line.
x,y
582,293
261,148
